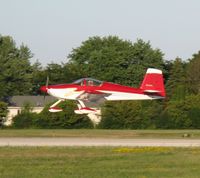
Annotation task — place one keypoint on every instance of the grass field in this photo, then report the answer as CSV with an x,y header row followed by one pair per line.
x,y
92,133
94,162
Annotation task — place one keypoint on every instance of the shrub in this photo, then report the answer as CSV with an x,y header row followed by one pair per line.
x,y
181,114
3,112
129,114
66,119
25,120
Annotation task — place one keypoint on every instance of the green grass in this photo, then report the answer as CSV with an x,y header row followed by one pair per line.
x,y
94,162
92,133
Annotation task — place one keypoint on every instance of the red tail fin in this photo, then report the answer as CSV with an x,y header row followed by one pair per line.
x,y
153,82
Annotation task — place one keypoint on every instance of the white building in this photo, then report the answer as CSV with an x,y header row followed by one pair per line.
x,y
16,104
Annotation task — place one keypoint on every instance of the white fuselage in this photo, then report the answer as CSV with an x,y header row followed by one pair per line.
x,y
72,94
65,93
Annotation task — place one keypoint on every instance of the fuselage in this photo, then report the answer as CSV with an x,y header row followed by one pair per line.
x,y
113,91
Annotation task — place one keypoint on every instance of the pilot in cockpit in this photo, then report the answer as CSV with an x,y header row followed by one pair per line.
x,y
90,83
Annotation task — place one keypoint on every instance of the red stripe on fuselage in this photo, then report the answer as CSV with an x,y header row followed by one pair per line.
x,y
119,88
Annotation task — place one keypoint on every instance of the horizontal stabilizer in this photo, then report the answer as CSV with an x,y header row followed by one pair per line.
x,y
151,91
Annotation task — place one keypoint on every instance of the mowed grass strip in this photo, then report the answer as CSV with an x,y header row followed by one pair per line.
x,y
100,133
77,162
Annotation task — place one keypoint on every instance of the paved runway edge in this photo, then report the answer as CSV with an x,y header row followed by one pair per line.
x,y
37,141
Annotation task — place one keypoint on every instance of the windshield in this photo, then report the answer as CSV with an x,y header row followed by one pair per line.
x,y
88,82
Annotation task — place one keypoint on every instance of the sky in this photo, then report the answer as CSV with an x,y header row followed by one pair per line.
x,y
52,28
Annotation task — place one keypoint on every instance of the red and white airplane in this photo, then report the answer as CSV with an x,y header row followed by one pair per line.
x,y
87,90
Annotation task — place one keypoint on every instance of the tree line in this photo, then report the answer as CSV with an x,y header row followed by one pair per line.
x,y
108,59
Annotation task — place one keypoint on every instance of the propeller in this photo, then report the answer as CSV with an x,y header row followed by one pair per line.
x,y
47,83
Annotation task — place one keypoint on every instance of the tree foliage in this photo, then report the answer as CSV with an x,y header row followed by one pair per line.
x,y
193,74
66,119
181,114
116,60
15,68
177,84
130,114
3,112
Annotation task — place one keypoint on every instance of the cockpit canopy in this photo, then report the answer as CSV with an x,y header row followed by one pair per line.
x,y
88,82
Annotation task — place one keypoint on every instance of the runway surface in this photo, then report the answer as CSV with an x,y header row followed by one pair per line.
x,y
37,141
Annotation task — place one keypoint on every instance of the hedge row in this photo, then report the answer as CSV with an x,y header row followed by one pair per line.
x,y
178,114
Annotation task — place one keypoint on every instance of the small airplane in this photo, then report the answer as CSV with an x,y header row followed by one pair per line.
x,y
88,90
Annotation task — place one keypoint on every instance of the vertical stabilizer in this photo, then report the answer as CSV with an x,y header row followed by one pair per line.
x,y
153,82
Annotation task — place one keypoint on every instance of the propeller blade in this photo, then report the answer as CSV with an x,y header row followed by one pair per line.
x,y
47,81
47,84
44,96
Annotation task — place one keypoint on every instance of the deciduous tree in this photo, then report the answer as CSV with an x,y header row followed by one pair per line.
x,y
113,59
15,68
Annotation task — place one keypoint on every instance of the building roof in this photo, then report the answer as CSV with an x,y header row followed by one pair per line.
x,y
34,101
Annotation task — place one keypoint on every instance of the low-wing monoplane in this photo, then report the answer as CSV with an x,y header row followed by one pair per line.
x,y
88,90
